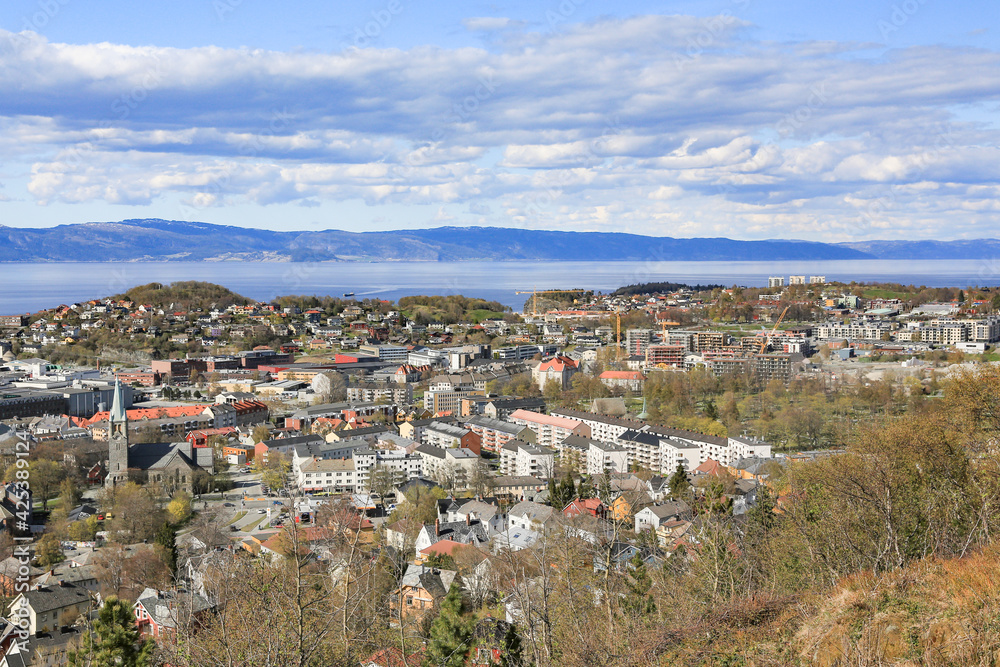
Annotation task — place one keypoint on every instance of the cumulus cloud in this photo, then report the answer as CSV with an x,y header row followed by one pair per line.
x,y
674,125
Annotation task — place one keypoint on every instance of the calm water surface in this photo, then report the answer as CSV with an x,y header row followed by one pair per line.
x,y
30,287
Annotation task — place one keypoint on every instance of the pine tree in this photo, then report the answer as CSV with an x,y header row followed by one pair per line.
x,y
450,633
113,640
638,599
166,541
513,652
678,482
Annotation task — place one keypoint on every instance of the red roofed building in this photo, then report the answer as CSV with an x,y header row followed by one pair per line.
x,y
440,548
558,368
200,437
710,467
630,380
584,506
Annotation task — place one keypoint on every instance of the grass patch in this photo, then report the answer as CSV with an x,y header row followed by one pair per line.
x,y
253,526
239,515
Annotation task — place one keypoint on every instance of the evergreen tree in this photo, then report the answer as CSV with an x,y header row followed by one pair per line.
x,y
167,545
678,482
450,633
113,639
638,600
513,652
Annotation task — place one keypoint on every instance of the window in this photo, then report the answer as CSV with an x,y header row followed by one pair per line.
x,y
409,600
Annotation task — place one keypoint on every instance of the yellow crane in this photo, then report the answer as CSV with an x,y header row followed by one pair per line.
x,y
536,292
767,338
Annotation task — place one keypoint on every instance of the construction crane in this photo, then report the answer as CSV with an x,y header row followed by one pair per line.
x,y
767,338
536,292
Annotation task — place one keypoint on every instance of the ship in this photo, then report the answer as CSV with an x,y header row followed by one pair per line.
x,y
346,294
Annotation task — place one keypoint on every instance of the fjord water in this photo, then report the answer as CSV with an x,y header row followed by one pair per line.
x,y
28,287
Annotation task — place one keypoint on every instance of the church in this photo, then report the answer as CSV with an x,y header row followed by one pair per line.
x,y
172,465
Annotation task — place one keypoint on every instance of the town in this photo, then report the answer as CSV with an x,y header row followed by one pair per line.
x,y
437,473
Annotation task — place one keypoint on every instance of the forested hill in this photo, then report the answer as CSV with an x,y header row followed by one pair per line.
x,y
171,240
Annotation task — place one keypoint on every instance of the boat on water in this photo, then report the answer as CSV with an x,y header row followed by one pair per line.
x,y
348,293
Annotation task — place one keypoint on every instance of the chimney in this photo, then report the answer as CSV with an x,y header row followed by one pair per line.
x,y
437,527
468,519
62,584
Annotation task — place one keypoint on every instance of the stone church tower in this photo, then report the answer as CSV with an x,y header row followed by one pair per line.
x,y
117,441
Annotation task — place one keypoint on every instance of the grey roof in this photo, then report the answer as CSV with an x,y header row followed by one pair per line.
x,y
473,532
166,606
434,581
48,598
158,455
495,424
430,450
639,436
531,511
673,508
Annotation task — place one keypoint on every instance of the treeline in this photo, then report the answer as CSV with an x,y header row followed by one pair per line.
x,y
184,295
450,309
661,288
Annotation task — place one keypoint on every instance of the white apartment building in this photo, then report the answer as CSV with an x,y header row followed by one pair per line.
x,y
523,459
451,467
605,456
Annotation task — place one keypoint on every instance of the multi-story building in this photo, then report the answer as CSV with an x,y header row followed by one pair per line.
x,y
521,459
668,355
494,433
448,400
775,281
549,429
605,457
450,467
391,392
767,367
709,341
444,435
637,340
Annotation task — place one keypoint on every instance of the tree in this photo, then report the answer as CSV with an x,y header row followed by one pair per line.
x,y
481,480
113,639
136,516
450,633
513,652
83,531
49,551
678,482
166,543
45,476
69,492
261,433
179,508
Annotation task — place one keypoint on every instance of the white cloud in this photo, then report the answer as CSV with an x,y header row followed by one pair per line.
x,y
612,124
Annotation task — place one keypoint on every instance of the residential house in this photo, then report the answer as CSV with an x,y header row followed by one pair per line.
x,y
420,591
654,516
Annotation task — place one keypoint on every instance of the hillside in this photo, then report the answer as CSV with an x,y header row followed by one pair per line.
x,y
931,612
164,240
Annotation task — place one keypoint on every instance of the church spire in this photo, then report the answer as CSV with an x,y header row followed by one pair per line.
x,y
118,405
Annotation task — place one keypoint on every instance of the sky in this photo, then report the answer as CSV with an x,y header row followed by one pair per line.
x,y
749,119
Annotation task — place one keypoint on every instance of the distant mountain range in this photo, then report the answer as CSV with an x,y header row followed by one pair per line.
x,y
171,240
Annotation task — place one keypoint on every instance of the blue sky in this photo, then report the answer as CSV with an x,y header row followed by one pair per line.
x,y
739,118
